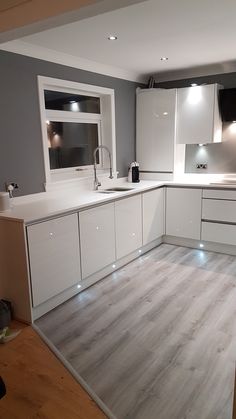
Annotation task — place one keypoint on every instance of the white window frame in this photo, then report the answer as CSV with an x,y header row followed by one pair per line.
x,y
105,121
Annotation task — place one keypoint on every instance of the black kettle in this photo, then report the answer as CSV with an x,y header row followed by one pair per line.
x,y
133,174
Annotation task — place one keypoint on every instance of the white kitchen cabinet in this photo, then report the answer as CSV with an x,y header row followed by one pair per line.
x,y
198,117
97,238
183,212
128,222
153,215
155,130
54,257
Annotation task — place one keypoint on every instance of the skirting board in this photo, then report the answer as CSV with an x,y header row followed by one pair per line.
x,y
195,244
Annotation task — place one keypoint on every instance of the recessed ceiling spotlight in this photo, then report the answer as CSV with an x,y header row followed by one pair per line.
x,y
194,84
112,38
164,58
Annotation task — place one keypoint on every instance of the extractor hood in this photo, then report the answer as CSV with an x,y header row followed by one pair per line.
x,y
228,104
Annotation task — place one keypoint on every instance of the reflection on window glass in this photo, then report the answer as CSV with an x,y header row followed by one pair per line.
x,y
71,102
71,144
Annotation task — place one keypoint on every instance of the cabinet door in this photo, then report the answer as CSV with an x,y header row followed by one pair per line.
x,y
183,212
128,221
195,114
97,238
156,129
54,257
153,215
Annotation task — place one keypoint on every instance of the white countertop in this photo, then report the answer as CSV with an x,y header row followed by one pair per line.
x,y
44,205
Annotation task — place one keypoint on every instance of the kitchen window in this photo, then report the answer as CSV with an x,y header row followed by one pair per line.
x,y
75,119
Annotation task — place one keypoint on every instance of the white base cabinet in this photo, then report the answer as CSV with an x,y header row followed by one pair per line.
x,y
128,223
97,238
54,257
107,234
153,215
183,212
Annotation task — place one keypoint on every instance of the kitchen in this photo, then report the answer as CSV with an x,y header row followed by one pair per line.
x,y
176,204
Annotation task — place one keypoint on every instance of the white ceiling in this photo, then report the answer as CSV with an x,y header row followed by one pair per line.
x,y
190,33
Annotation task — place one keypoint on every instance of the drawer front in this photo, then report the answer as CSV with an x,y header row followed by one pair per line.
x,y
219,194
219,210
54,257
219,233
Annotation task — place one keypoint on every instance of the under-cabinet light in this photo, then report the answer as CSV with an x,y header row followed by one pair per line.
x,y
201,245
78,286
114,266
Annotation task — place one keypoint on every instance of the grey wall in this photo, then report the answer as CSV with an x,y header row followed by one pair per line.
x,y
227,80
21,153
221,158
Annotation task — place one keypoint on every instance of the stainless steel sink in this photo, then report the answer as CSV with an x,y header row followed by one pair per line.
x,y
119,189
115,189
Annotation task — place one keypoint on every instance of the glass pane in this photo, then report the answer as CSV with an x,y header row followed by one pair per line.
x,y
60,101
71,144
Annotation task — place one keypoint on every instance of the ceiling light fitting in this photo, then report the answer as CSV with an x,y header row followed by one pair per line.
x,y
164,58
112,38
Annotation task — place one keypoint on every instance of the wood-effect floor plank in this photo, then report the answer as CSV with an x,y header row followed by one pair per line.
x,y
157,338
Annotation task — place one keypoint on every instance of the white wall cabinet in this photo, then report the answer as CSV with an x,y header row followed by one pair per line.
x,y
128,222
97,238
183,212
153,215
54,257
198,118
155,129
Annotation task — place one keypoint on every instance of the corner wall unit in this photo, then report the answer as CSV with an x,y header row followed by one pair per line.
x,y
198,116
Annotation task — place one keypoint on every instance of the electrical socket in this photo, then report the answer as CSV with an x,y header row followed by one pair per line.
x,y
201,165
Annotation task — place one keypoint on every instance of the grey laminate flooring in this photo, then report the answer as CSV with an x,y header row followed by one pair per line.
x,y
156,339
